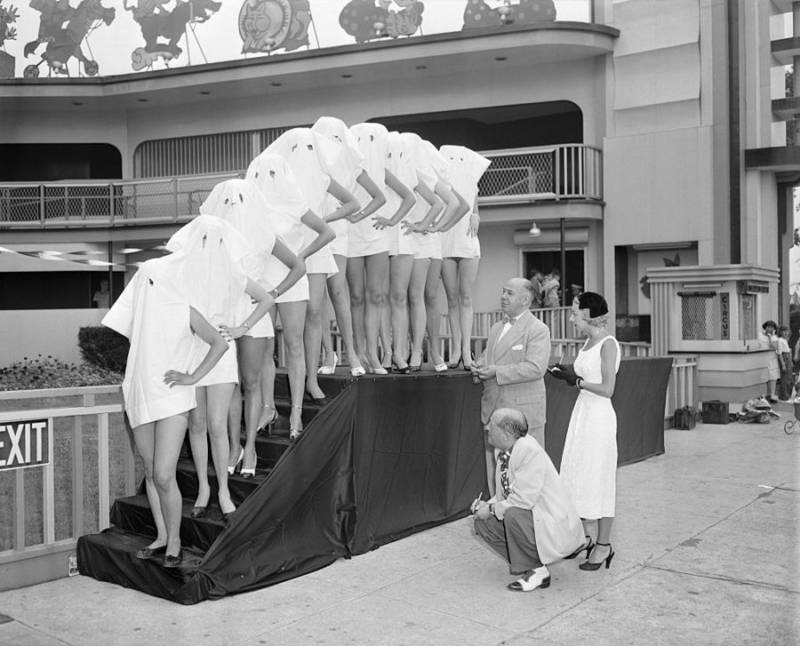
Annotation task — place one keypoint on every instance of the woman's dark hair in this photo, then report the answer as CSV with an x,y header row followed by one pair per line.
x,y
593,302
769,322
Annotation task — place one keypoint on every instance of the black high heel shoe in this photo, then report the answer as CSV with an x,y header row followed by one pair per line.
x,y
456,364
171,561
586,546
402,371
586,565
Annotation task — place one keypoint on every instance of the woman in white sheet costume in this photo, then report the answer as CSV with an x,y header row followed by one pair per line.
x,y
153,311
220,277
406,274
241,205
305,233
349,170
368,246
424,283
310,156
461,250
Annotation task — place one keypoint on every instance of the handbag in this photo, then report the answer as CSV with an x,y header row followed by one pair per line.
x,y
685,418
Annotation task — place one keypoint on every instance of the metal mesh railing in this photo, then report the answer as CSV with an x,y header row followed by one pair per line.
x,y
699,317
566,171
569,171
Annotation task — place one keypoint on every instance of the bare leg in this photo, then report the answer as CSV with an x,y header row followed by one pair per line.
x,y
450,280
235,425
169,434
386,326
312,332
416,306
251,358
217,400
292,318
267,381
328,351
144,437
337,289
400,268
432,316
602,547
355,284
198,441
377,267
467,272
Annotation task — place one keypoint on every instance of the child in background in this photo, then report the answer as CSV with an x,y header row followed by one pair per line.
x,y
769,335
785,361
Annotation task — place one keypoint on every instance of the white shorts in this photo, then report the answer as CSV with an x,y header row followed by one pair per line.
x,y
322,262
227,369
341,228
297,292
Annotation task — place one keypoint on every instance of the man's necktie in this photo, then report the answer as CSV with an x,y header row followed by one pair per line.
x,y
503,460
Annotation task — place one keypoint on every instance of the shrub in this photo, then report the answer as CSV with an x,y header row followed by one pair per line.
x,y
103,347
48,372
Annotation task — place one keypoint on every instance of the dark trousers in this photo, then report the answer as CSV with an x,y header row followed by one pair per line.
x,y
784,389
512,538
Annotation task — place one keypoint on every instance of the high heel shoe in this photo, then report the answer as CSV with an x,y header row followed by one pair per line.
x,y
587,565
232,469
329,370
455,364
171,561
266,425
357,371
295,433
198,511
319,401
588,545
248,472
404,370
149,552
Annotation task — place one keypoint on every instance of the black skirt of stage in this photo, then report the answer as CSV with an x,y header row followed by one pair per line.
x,y
387,457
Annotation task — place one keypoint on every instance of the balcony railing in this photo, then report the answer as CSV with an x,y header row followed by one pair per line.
x,y
568,171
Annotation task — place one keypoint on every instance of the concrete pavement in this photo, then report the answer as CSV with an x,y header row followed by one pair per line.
x,y
707,552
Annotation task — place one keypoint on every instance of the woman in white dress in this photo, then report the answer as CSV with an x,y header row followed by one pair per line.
x,y
305,233
153,311
407,264
349,170
311,158
241,204
433,165
461,250
220,274
368,246
589,460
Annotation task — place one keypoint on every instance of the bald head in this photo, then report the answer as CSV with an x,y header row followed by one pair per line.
x,y
511,421
516,296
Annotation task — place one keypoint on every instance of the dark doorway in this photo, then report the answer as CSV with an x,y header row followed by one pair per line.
x,y
546,261
508,126
52,162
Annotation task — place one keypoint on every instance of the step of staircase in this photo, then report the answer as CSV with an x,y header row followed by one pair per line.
x,y
133,514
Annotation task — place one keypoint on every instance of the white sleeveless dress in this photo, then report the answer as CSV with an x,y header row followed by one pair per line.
x,y
589,460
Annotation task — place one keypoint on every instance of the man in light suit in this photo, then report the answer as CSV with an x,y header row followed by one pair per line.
x,y
513,366
531,520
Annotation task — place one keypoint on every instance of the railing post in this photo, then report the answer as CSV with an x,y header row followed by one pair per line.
x,y
48,490
103,497
41,203
557,187
77,476
175,195
111,202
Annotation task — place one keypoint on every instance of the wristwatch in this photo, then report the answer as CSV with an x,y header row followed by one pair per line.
x,y
274,293
491,508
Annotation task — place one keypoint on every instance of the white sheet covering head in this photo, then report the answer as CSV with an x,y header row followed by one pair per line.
x,y
419,158
153,312
349,161
310,157
465,169
364,239
240,203
216,262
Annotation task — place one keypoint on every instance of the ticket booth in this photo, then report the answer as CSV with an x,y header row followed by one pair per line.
x,y
716,313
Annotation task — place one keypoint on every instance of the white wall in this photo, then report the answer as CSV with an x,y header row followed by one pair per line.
x,y
27,333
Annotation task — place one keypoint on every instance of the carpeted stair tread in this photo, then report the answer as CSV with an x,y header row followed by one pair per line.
x,y
132,514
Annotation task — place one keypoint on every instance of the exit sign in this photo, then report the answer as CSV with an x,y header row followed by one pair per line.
x,y
24,444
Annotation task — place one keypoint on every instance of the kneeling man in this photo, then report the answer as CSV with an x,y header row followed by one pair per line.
x,y
530,521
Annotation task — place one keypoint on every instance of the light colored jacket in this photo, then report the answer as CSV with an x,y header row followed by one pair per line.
x,y
520,358
535,484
